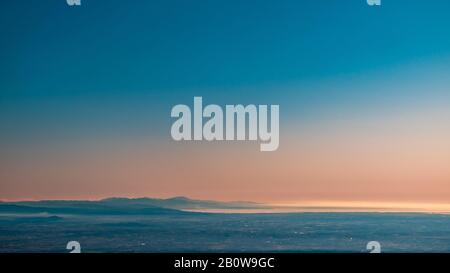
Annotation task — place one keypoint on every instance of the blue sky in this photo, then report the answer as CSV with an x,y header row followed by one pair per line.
x,y
86,94
120,62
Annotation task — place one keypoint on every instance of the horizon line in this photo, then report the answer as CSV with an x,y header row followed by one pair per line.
x,y
293,206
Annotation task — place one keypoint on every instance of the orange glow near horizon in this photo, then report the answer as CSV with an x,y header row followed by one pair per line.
x,y
363,206
400,163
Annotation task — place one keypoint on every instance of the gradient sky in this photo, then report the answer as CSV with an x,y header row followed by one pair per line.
x,y
364,95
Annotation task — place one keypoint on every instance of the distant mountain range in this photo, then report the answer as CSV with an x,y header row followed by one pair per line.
x,y
182,203
121,206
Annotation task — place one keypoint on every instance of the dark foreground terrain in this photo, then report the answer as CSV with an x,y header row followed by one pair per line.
x,y
105,228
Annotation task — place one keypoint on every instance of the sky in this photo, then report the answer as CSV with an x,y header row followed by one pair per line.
x,y
86,94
